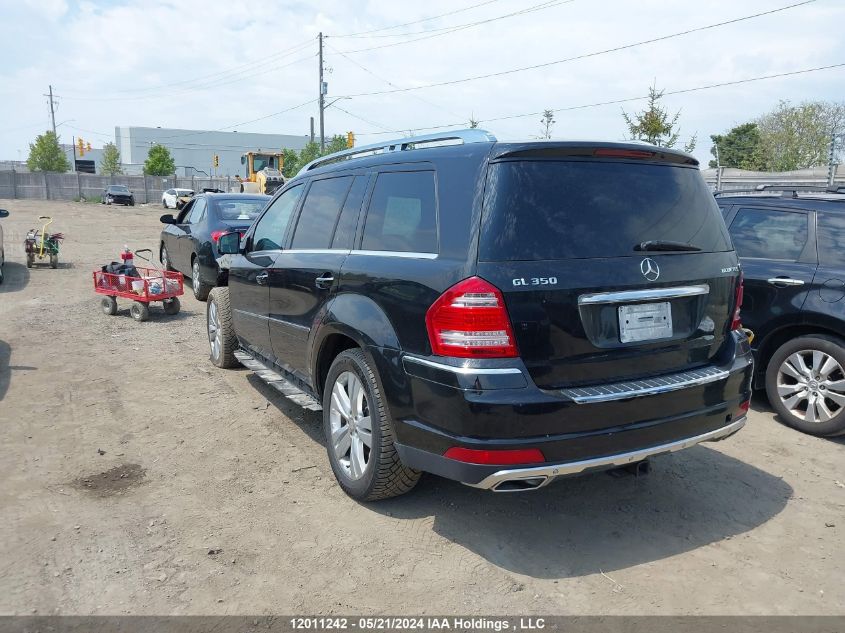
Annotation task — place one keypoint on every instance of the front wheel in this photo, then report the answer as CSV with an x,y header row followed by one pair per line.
x,y
171,306
164,257
359,433
221,329
109,306
200,289
805,382
139,310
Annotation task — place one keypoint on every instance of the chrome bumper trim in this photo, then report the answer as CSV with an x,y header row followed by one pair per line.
x,y
644,387
548,472
627,296
462,370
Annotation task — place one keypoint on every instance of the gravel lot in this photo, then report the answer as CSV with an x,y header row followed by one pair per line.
x,y
138,479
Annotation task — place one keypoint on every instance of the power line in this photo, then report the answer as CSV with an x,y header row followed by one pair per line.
x,y
360,118
584,55
428,19
548,4
625,100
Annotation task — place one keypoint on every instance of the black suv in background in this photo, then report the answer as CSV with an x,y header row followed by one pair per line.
x,y
791,242
501,314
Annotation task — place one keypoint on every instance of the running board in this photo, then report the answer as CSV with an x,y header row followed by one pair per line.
x,y
278,382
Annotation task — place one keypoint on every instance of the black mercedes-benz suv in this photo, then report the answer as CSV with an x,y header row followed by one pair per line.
x,y
501,314
791,241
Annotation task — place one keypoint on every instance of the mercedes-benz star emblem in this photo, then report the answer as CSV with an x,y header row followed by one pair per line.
x,y
650,269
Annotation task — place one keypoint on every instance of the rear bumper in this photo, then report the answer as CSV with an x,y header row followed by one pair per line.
x,y
499,408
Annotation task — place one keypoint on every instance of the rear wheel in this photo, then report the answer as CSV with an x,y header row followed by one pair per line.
x,y
200,289
805,382
359,433
221,330
171,306
139,310
109,305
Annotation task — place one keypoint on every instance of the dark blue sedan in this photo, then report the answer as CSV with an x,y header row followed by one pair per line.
x,y
189,240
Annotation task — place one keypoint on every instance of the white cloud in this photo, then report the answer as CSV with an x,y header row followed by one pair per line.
x,y
210,64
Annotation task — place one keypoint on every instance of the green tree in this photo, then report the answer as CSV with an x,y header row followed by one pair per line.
x,y
741,147
294,162
45,154
798,136
159,162
654,124
110,163
546,123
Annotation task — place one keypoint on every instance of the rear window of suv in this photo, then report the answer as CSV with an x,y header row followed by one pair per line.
x,y
535,210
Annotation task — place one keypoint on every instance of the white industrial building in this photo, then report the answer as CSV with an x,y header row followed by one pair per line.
x,y
193,150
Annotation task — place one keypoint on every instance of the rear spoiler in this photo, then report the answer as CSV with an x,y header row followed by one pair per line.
x,y
622,151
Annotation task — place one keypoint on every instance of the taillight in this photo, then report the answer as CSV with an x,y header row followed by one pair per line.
x,y
470,320
736,322
496,457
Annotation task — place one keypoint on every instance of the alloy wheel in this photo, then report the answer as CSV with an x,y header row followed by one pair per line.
x,y
195,275
811,385
214,332
351,425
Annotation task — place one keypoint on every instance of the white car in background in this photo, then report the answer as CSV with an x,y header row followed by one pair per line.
x,y
171,196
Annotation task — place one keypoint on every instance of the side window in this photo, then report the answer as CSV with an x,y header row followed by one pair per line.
x,y
724,210
769,234
197,211
344,233
403,214
319,212
831,232
270,230
170,192
182,218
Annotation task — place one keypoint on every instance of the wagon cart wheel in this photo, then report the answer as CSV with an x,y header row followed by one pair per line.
x,y
171,306
109,305
139,310
54,260
30,260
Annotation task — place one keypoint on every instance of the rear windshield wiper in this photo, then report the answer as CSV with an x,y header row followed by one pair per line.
x,y
665,245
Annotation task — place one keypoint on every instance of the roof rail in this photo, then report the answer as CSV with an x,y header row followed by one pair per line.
x,y
784,190
471,135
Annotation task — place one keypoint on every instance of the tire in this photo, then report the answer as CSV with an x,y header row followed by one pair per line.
x,y
108,201
54,260
164,258
30,260
383,475
200,289
139,310
171,306
805,382
109,306
221,329
131,203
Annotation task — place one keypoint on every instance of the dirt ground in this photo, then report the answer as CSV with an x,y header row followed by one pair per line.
x,y
139,479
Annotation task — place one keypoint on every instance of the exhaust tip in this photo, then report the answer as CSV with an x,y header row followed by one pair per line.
x,y
519,485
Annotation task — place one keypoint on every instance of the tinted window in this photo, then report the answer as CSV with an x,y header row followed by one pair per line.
x,y
536,210
769,234
831,232
170,192
233,209
270,230
197,211
319,212
403,214
344,233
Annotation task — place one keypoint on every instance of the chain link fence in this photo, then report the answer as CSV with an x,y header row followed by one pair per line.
x,y
74,186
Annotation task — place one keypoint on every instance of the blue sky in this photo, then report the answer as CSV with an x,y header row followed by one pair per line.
x,y
206,64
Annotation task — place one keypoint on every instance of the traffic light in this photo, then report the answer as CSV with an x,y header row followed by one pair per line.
x,y
350,139
80,145
216,160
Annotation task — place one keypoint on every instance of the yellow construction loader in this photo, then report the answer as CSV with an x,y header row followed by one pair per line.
x,y
263,172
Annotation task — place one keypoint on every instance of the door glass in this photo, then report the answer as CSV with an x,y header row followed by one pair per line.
x,y
402,215
831,233
319,212
769,234
186,210
344,233
197,211
270,230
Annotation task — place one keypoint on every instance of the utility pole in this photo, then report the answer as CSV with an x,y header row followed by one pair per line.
x,y
718,169
312,129
322,98
52,109
831,161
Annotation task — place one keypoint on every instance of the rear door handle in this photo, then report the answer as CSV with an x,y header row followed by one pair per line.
x,y
785,281
324,281
261,278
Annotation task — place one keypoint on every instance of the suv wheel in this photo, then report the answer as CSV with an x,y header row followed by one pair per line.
x,y
359,434
221,330
805,382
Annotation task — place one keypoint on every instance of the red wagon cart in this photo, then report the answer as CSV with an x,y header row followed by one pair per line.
x,y
144,286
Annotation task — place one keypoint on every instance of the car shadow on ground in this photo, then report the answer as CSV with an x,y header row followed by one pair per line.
x,y
6,369
15,277
588,524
